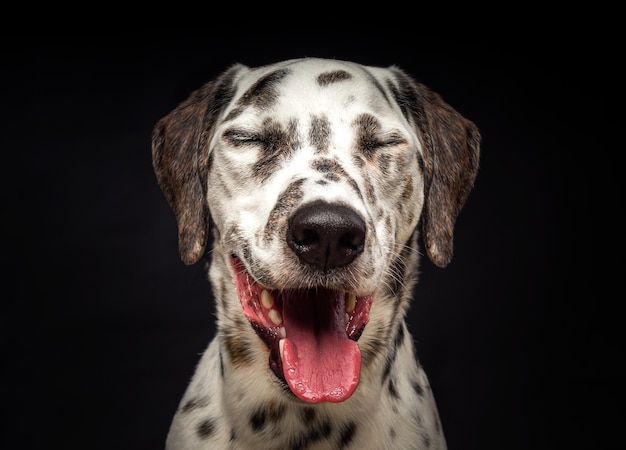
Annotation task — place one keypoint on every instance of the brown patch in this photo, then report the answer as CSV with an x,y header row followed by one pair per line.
x,y
286,202
370,138
278,144
329,167
388,225
367,128
234,113
407,192
326,78
358,160
263,93
384,161
319,134
370,191
333,171
237,345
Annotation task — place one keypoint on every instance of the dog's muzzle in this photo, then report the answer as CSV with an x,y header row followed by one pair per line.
x,y
312,332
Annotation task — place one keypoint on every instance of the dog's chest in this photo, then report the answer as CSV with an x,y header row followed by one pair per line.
x,y
286,426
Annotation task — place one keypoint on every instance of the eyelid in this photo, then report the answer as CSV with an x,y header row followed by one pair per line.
x,y
393,139
241,137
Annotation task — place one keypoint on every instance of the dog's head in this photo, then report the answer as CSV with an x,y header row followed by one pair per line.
x,y
316,174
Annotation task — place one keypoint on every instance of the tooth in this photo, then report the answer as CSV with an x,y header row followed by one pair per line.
x,y
350,302
281,348
267,298
347,318
282,333
275,317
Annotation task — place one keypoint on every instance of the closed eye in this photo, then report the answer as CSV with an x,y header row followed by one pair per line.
x,y
370,143
241,138
391,140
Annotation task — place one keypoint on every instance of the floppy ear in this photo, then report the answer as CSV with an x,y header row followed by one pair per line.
x,y
451,147
450,166
180,157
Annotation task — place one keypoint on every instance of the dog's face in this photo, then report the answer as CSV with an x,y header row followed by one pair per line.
x,y
315,175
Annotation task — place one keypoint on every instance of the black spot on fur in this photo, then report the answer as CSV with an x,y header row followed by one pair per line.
x,y
275,412
206,428
326,428
316,433
347,434
221,364
400,335
194,403
397,342
419,390
391,387
308,415
257,420
271,413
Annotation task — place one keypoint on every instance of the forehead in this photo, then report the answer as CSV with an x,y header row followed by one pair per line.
x,y
314,86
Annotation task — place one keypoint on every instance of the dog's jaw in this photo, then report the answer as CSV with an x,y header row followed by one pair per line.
x,y
311,335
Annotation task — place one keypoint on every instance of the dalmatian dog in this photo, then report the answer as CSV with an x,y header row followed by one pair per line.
x,y
315,177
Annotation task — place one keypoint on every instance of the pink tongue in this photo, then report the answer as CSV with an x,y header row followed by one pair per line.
x,y
320,363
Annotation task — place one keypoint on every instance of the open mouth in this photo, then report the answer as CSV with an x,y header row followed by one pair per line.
x,y
311,335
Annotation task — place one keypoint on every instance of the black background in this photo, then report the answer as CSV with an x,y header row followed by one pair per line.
x,y
103,324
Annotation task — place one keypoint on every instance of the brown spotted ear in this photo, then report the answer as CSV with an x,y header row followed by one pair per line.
x,y
451,147
180,157
450,166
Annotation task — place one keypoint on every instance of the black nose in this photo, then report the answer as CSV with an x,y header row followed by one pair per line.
x,y
326,235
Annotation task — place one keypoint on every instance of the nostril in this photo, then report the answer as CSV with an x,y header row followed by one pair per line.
x,y
352,240
326,235
304,236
